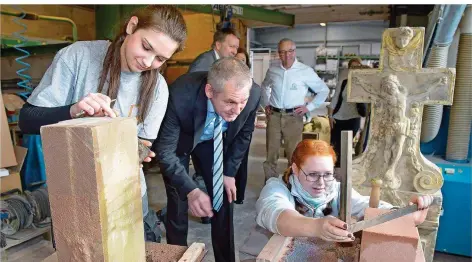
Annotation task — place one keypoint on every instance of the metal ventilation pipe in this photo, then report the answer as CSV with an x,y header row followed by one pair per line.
x,y
432,114
461,112
447,25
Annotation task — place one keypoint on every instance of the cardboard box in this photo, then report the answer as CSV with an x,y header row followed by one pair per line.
x,y
7,154
10,182
20,154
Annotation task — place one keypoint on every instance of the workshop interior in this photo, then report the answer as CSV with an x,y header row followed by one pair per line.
x,y
70,189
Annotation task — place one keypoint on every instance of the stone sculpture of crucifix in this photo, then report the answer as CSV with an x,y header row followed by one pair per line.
x,y
397,91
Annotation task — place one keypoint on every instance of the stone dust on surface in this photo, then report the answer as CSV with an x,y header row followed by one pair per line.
x,y
156,252
315,249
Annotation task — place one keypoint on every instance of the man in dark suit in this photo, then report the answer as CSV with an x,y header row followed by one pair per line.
x,y
225,44
211,116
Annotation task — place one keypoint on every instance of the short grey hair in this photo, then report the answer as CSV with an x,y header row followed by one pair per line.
x,y
226,69
286,40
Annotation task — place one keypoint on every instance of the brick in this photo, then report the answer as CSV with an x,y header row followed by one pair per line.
x,y
394,241
94,191
156,252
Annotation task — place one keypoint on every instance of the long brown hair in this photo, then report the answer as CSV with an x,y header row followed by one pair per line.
x,y
162,18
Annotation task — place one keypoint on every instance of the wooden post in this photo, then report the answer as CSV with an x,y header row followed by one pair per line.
x,y
346,183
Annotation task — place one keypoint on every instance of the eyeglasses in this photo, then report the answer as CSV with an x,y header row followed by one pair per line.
x,y
315,177
283,52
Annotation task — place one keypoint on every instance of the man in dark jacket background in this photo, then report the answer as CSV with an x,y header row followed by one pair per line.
x,y
225,44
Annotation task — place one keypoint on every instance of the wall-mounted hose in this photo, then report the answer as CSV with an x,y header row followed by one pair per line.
x,y
461,112
432,114
25,78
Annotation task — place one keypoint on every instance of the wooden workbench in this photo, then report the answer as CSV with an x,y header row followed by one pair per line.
x,y
156,252
280,248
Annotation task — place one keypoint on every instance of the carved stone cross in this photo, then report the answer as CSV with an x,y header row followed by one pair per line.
x,y
397,91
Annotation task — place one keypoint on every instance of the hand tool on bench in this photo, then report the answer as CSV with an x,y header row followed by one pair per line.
x,y
396,213
345,177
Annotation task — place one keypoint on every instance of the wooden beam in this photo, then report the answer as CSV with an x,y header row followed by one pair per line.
x,y
275,249
339,13
194,253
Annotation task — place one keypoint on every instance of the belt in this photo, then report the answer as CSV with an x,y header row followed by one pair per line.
x,y
282,110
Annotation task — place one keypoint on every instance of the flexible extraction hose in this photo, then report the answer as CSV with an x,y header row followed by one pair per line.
x,y
461,112
447,24
432,114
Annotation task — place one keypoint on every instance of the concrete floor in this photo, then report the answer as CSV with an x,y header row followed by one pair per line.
x,y
244,219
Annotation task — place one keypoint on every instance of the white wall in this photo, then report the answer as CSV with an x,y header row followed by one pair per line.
x,y
306,55
308,37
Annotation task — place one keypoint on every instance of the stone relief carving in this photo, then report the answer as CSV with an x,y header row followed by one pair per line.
x,y
404,48
397,98
389,106
398,90
392,127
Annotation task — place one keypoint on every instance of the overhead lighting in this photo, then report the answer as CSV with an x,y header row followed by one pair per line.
x,y
322,24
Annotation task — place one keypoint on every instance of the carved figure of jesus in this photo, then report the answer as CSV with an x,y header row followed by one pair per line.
x,y
390,107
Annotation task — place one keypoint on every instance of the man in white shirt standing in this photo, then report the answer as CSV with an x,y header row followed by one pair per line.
x,y
284,89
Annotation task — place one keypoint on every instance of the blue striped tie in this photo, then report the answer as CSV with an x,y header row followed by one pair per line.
x,y
217,164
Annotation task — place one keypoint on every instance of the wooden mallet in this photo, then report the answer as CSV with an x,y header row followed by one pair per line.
x,y
375,193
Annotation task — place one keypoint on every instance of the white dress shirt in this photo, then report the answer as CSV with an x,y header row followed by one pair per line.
x,y
287,88
216,54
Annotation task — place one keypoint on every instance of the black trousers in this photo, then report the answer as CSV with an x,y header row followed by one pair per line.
x,y
241,176
222,234
343,125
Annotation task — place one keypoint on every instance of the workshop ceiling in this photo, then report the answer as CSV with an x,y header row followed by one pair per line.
x,y
313,14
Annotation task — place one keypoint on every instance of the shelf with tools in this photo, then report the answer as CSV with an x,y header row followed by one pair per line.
x,y
34,45
27,234
365,57
332,62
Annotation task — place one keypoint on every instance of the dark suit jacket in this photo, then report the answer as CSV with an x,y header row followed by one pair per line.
x,y
183,126
203,62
